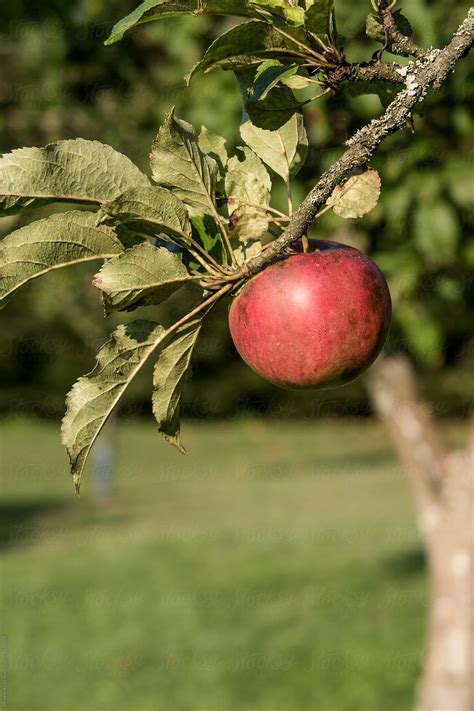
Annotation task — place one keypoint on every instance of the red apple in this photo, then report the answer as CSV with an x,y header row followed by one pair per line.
x,y
312,320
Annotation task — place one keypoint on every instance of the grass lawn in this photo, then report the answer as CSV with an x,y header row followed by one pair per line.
x,y
277,567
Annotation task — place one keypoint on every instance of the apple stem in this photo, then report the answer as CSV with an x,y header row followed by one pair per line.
x,y
321,212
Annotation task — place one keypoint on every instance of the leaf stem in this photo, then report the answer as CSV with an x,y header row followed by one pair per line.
x,y
303,46
288,194
311,80
225,236
318,96
204,263
319,41
266,209
211,263
200,307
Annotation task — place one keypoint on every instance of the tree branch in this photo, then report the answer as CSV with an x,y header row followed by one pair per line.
x,y
377,71
373,71
399,43
429,71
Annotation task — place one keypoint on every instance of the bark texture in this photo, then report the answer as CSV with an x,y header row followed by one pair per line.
x,y
443,486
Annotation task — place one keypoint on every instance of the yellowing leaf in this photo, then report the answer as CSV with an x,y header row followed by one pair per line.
x,y
247,250
213,145
248,189
357,196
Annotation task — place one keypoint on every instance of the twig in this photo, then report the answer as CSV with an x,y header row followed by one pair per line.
x,y
377,71
374,71
202,306
399,43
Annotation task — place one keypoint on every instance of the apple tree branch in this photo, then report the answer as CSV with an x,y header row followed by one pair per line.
x,y
427,71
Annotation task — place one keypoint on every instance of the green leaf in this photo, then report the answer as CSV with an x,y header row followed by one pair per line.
x,y
457,174
179,164
356,196
375,30
396,204
275,110
214,146
136,17
153,210
294,14
291,12
318,17
140,276
207,234
268,75
402,268
284,150
93,397
247,184
156,9
168,381
72,171
422,331
272,112
242,46
436,230
56,241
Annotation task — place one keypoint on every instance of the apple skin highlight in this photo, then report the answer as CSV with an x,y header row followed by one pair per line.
x,y
313,320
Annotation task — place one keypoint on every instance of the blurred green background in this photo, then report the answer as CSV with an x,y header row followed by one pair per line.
x,y
277,567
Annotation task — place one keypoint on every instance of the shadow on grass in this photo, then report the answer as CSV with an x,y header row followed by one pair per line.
x,y
406,563
20,521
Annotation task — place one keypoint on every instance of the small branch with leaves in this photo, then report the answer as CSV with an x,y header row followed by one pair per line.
x,y
419,77
397,30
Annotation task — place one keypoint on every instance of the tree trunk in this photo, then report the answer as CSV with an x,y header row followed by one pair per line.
x,y
443,487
